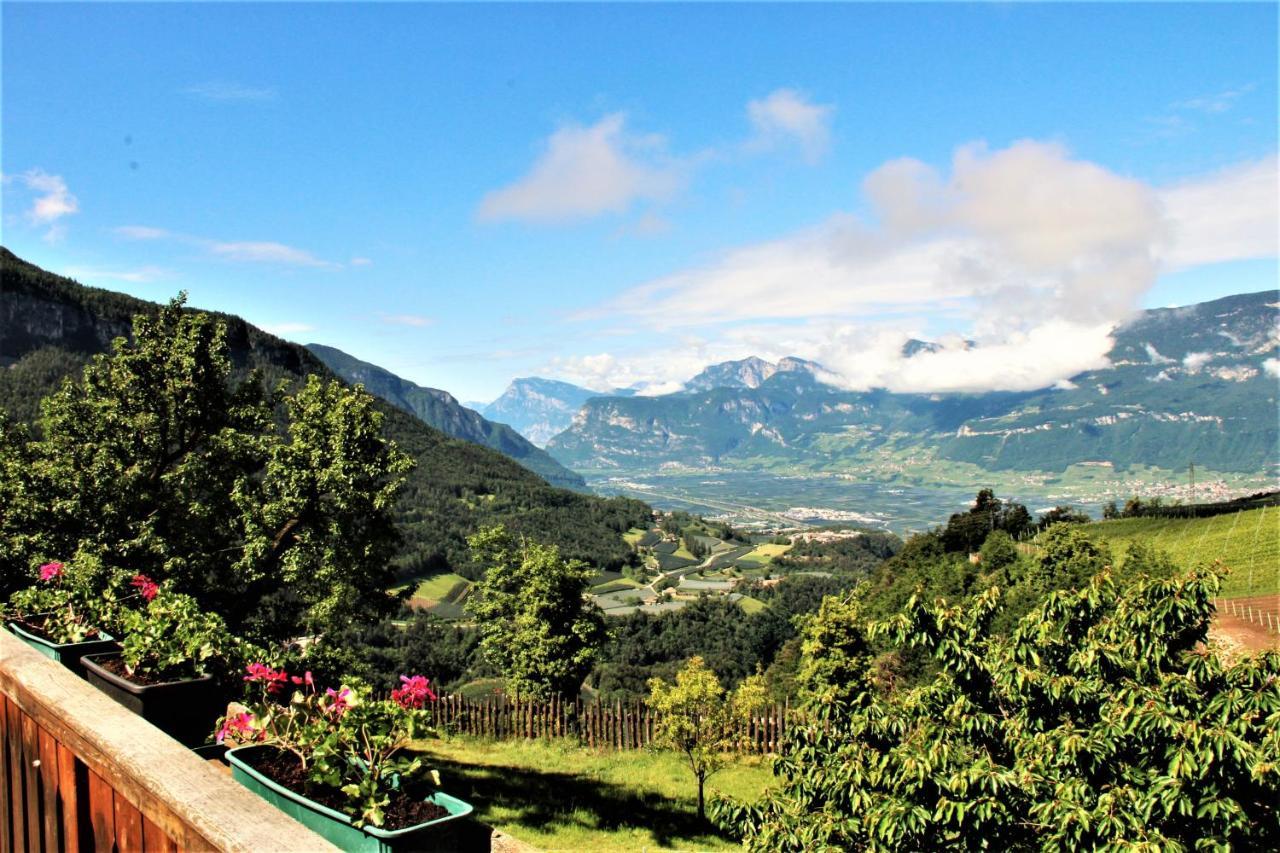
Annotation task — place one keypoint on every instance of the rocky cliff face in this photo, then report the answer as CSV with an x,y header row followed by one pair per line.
x,y
1195,383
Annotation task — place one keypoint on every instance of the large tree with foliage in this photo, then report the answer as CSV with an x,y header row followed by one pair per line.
x,y
1102,720
536,625
272,509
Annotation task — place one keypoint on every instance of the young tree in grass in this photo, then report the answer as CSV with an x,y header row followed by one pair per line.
x,y
536,624
699,719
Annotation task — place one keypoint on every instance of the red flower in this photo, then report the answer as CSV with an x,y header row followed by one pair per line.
x,y
49,571
146,586
414,693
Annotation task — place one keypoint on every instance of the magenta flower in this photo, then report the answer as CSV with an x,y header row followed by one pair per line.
x,y
240,725
49,571
274,679
145,586
341,700
415,693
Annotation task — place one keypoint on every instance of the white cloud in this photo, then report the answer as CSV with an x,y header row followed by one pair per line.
x,y
413,320
51,201
1231,215
1042,253
136,276
786,115
585,172
361,262
1271,366
1218,102
1193,361
1155,356
266,252
249,251
224,91
141,232
282,330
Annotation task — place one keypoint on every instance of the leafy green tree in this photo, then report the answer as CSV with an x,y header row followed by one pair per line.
x,y
1062,515
273,511
998,552
699,719
1101,721
1067,559
536,625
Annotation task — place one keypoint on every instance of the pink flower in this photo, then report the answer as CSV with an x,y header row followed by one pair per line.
x,y
274,679
341,700
49,571
303,679
146,586
241,725
414,693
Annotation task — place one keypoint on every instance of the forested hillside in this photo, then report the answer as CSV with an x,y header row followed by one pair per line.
x,y
440,410
51,325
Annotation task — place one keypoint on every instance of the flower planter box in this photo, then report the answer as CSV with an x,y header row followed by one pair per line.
x,y
185,710
336,827
67,654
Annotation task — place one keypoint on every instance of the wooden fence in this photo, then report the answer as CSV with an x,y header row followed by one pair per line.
x,y
607,725
80,772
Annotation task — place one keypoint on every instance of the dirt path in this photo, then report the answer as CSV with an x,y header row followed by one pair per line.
x,y
1240,631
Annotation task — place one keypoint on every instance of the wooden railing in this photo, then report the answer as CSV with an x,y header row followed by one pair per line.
x,y
608,725
80,772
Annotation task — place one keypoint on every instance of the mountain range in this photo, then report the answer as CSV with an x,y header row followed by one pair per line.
x,y
541,408
441,410
1190,384
51,325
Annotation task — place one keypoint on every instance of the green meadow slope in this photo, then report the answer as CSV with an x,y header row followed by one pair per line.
x,y
1247,542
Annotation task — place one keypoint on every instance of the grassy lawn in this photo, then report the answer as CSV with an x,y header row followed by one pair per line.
x,y
751,605
559,797
633,536
1247,542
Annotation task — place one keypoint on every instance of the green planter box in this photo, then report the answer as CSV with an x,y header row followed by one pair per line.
x,y
67,654
336,828
185,710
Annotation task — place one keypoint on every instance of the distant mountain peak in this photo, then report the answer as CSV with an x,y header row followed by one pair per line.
x,y
749,372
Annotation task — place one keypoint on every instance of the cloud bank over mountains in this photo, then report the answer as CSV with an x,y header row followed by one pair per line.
x,y
1034,254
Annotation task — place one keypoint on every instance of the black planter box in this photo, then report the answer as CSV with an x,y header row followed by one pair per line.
x,y
185,710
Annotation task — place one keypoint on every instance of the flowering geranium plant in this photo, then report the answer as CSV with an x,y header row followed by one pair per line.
x,y
345,738
169,636
67,602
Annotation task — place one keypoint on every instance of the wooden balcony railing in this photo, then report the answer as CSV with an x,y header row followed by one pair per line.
x,y
80,772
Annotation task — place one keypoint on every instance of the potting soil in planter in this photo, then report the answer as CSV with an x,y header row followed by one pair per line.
x,y
67,654
186,710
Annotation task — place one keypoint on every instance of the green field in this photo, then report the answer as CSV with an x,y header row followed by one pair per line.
x,y
751,605
558,796
1247,542
447,587
763,554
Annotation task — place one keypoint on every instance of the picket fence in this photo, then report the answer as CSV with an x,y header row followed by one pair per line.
x,y
605,725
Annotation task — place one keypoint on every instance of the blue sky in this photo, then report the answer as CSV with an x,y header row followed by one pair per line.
x,y
620,194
